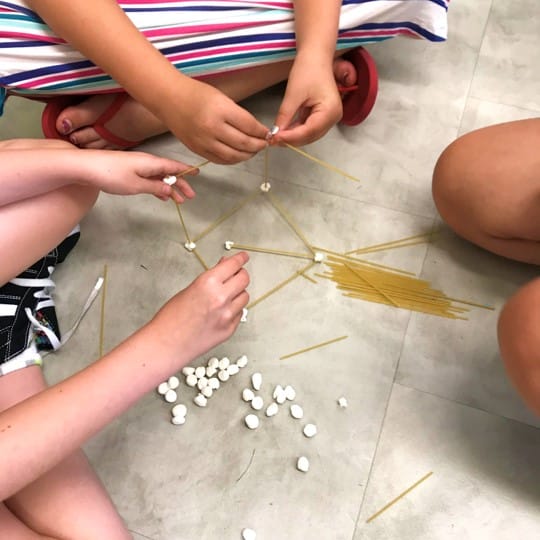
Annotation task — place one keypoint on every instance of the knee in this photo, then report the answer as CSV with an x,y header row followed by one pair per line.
x,y
519,342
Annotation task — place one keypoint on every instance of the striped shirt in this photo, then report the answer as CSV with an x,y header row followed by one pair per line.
x,y
199,38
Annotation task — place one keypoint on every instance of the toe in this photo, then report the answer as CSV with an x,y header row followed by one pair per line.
x,y
344,72
87,138
82,115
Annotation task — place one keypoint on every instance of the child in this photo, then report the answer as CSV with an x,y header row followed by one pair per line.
x,y
486,186
151,49
47,487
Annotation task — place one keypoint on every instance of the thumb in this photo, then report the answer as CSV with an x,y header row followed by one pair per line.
x,y
286,114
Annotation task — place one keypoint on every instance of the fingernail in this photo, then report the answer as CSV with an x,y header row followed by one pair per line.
x,y
73,139
67,126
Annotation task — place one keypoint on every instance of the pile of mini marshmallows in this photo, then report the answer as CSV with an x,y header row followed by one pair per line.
x,y
206,379
280,396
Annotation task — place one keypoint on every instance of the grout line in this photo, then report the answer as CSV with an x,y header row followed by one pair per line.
x,y
139,534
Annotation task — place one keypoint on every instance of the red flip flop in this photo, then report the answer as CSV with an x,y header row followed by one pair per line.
x,y
358,100
55,106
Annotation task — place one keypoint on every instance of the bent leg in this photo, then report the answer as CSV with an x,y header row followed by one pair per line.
x,y
486,186
68,501
519,342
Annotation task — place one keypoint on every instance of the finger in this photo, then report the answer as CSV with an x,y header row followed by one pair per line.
x,y
236,284
313,129
225,155
184,188
229,266
239,303
177,197
152,187
158,167
285,115
246,123
235,137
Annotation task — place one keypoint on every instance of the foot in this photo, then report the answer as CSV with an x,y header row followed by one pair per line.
x,y
344,72
132,122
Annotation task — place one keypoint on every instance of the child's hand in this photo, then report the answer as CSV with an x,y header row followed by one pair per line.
x,y
132,173
207,312
213,125
311,105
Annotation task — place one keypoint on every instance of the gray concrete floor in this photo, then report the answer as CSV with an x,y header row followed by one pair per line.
x,y
425,393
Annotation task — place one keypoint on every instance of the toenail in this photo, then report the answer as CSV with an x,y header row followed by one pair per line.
x,y
66,126
73,139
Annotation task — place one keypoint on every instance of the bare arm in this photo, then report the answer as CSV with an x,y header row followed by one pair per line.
x,y
203,118
194,321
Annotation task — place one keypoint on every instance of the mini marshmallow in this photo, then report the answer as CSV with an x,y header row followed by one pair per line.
x,y
318,257
247,394
223,375
302,464
191,380
224,363
170,179
272,409
242,362
171,396
200,400
207,392
290,393
188,370
200,372
163,388
296,411
310,430
252,421
256,381
233,369
280,400
342,402
257,403
249,534
213,362
278,390
211,371
273,131
202,383
265,187
179,410
190,246
173,382
178,420
244,315
213,383
228,245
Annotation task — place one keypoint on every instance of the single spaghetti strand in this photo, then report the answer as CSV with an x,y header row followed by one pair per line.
x,y
294,254
323,163
201,260
289,221
394,501
324,343
188,239
191,169
424,237
102,322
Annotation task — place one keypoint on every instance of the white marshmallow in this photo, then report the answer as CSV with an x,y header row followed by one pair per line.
x,y
200,372
223,375
178,420
233,369
200,400
265,187
170,179
207,392
247,394
281,399
278,390
257,403
190,246
224,363
228,245
242,362
202,383
173,382
179,410
290,393
296,411
252,421
272,409
244,315
211,371
318,257
310,430
302,464
213,383
171,396
191,380
213,362
342,402
256,381
188,370
249,534
163,388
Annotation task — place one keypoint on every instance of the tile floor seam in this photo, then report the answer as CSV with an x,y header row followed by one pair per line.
x,y
140,534
468,405
493,102
468,95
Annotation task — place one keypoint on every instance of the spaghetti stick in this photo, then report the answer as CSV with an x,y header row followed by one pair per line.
x,y
191,169
424,237
324,343
289,221
188,239
322,163
394,501
271,251
201,260
376,288
309,278
227,215
281,285
102,322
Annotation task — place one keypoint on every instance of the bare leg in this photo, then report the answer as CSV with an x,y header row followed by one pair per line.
x,y
519,341
69,501
486,186
134,123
